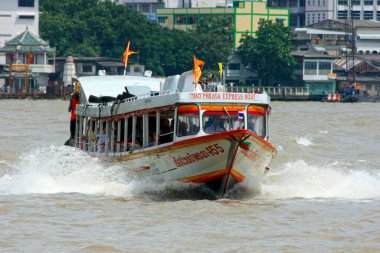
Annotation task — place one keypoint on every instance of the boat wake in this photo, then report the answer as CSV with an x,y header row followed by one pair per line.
x,y
53,170
337,180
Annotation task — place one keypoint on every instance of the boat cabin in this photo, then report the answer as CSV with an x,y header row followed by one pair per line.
x,y
120,115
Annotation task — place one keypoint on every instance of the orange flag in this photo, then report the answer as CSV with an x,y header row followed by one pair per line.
x,y
127,53
198,65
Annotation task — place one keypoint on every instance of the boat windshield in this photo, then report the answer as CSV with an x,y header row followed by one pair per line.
x,y
256,120
219,118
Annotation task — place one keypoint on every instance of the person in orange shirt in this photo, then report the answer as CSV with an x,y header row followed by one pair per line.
x,y
74,100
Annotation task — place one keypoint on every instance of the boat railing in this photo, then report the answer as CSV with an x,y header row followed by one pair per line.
x,y
270,90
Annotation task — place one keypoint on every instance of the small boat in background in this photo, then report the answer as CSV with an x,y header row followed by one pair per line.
x,y
169,129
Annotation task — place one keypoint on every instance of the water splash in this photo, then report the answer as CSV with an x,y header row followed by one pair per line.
x,y
336,180
53,169
304,141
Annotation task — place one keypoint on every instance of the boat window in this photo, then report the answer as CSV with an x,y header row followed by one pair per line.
x,y
256,120
139,132
166,126
188,120
218,118
152,124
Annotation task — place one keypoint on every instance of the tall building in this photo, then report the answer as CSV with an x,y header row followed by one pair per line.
x,y
361,9
297,11
15,16
319,10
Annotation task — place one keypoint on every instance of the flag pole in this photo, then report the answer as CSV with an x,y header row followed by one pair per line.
x,y
126,58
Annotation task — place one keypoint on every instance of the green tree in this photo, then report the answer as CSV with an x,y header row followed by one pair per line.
x,y
89,28
213,41
269,52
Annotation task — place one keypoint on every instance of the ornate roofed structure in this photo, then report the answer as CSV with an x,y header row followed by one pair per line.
x,y
27,63
26,41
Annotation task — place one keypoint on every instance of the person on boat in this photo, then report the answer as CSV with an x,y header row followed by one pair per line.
x,y
102,139
215,126
251,124
74,100
166,134
182,128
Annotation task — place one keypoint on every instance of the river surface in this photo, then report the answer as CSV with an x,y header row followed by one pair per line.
x,y
322,193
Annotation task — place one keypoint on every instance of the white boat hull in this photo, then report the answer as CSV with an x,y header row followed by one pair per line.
x,y
220,160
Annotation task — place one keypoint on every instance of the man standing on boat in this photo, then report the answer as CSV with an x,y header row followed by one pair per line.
x,y
74,100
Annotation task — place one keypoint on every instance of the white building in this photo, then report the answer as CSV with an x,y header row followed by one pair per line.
x,y
149,7
361,9
15,16
319,10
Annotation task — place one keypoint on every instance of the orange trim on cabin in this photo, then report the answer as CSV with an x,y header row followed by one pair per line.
x,y
222,107
188,109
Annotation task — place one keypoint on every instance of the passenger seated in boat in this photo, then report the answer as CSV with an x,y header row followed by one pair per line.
x,y
152,140
238,124
194,129
166,135
182,129
251,124
102,140
216,125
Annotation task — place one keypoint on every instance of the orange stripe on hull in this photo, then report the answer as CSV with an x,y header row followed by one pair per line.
x,y
204,178
237,176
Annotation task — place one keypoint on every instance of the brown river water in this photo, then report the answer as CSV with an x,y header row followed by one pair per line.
x,y
322,193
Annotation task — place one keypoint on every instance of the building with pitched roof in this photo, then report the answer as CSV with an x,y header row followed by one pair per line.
x,y
15,15
26,63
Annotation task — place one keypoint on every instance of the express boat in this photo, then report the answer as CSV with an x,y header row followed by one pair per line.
x,y
171,129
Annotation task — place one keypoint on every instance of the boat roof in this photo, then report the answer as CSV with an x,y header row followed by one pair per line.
x,y
101,86
151,92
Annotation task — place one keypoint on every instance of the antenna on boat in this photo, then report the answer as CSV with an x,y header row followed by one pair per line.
x,y
349,27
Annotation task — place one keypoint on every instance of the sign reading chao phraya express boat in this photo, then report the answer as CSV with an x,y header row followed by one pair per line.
x,y
222,96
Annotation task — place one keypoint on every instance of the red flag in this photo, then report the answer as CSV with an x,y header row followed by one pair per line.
x,y
198,65
127,53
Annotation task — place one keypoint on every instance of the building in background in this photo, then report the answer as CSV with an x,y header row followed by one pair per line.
x,y
149,7
244,17
319,10
361,9
296,8
146,7
15,16
27,64
313,69
335,36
